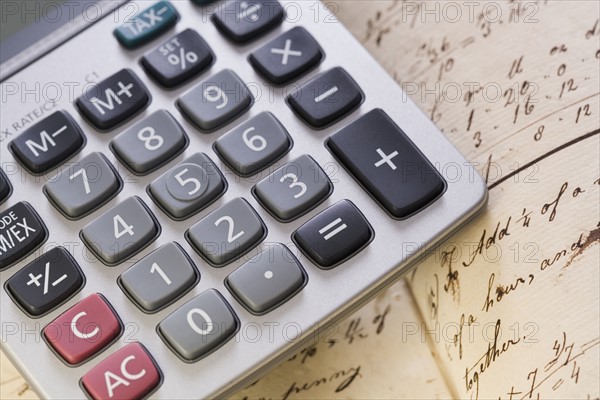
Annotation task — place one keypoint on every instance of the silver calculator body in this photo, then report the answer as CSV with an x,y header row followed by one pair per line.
x,y
56,79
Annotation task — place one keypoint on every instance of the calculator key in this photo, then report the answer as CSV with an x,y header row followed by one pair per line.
x,y
46,282
200,326
242,20
387,164
5,187
114,100
150,143
178,59
84,187
287,56
254,145
83,330
268,280
216,101
188,187
121,232
326,98
48,143
334,235
147,25
227,233
128,373
160,278
294,189
21,232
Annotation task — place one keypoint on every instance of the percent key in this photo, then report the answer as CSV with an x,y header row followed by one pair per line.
x,y
178,59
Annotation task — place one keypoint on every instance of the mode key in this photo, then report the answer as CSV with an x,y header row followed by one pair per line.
x,y
21,232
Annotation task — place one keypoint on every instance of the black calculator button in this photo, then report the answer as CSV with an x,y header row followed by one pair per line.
x,y
48,143
334,235
326,98
5,187
147,24
46,282
114,100
21,232
245,20
387,164
287,56
178,59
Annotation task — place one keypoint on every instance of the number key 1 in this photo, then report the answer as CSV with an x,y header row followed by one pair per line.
x,y
150,143
160,278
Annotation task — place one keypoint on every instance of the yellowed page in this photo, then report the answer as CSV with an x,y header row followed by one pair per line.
x,y
512,301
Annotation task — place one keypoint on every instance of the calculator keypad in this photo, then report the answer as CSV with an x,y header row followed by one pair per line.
x,y
48,143
21,232
254,144
242,21
84,186
178,59
147,25
121,232
188,187
160,278
294,189
288,56
46,282
83,330
128,373
385,161
200,326
227,233
267,280
216,101
114,100
326,98
334,235
150,143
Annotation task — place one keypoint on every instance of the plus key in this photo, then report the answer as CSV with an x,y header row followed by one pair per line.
x,y
387,164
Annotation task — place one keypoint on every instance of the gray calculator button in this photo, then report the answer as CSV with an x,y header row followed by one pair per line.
x,y
121,232
83,187
188,187
294,189
254,145
150,143
193,188
216,101
160,278
227,233
200,326
267,280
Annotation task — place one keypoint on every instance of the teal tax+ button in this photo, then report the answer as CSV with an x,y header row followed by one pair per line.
x,y
147,25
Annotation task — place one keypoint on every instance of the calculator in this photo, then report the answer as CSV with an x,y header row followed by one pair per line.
x,y
193,191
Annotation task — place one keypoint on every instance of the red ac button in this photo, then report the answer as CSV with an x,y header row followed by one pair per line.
x,y
129,373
